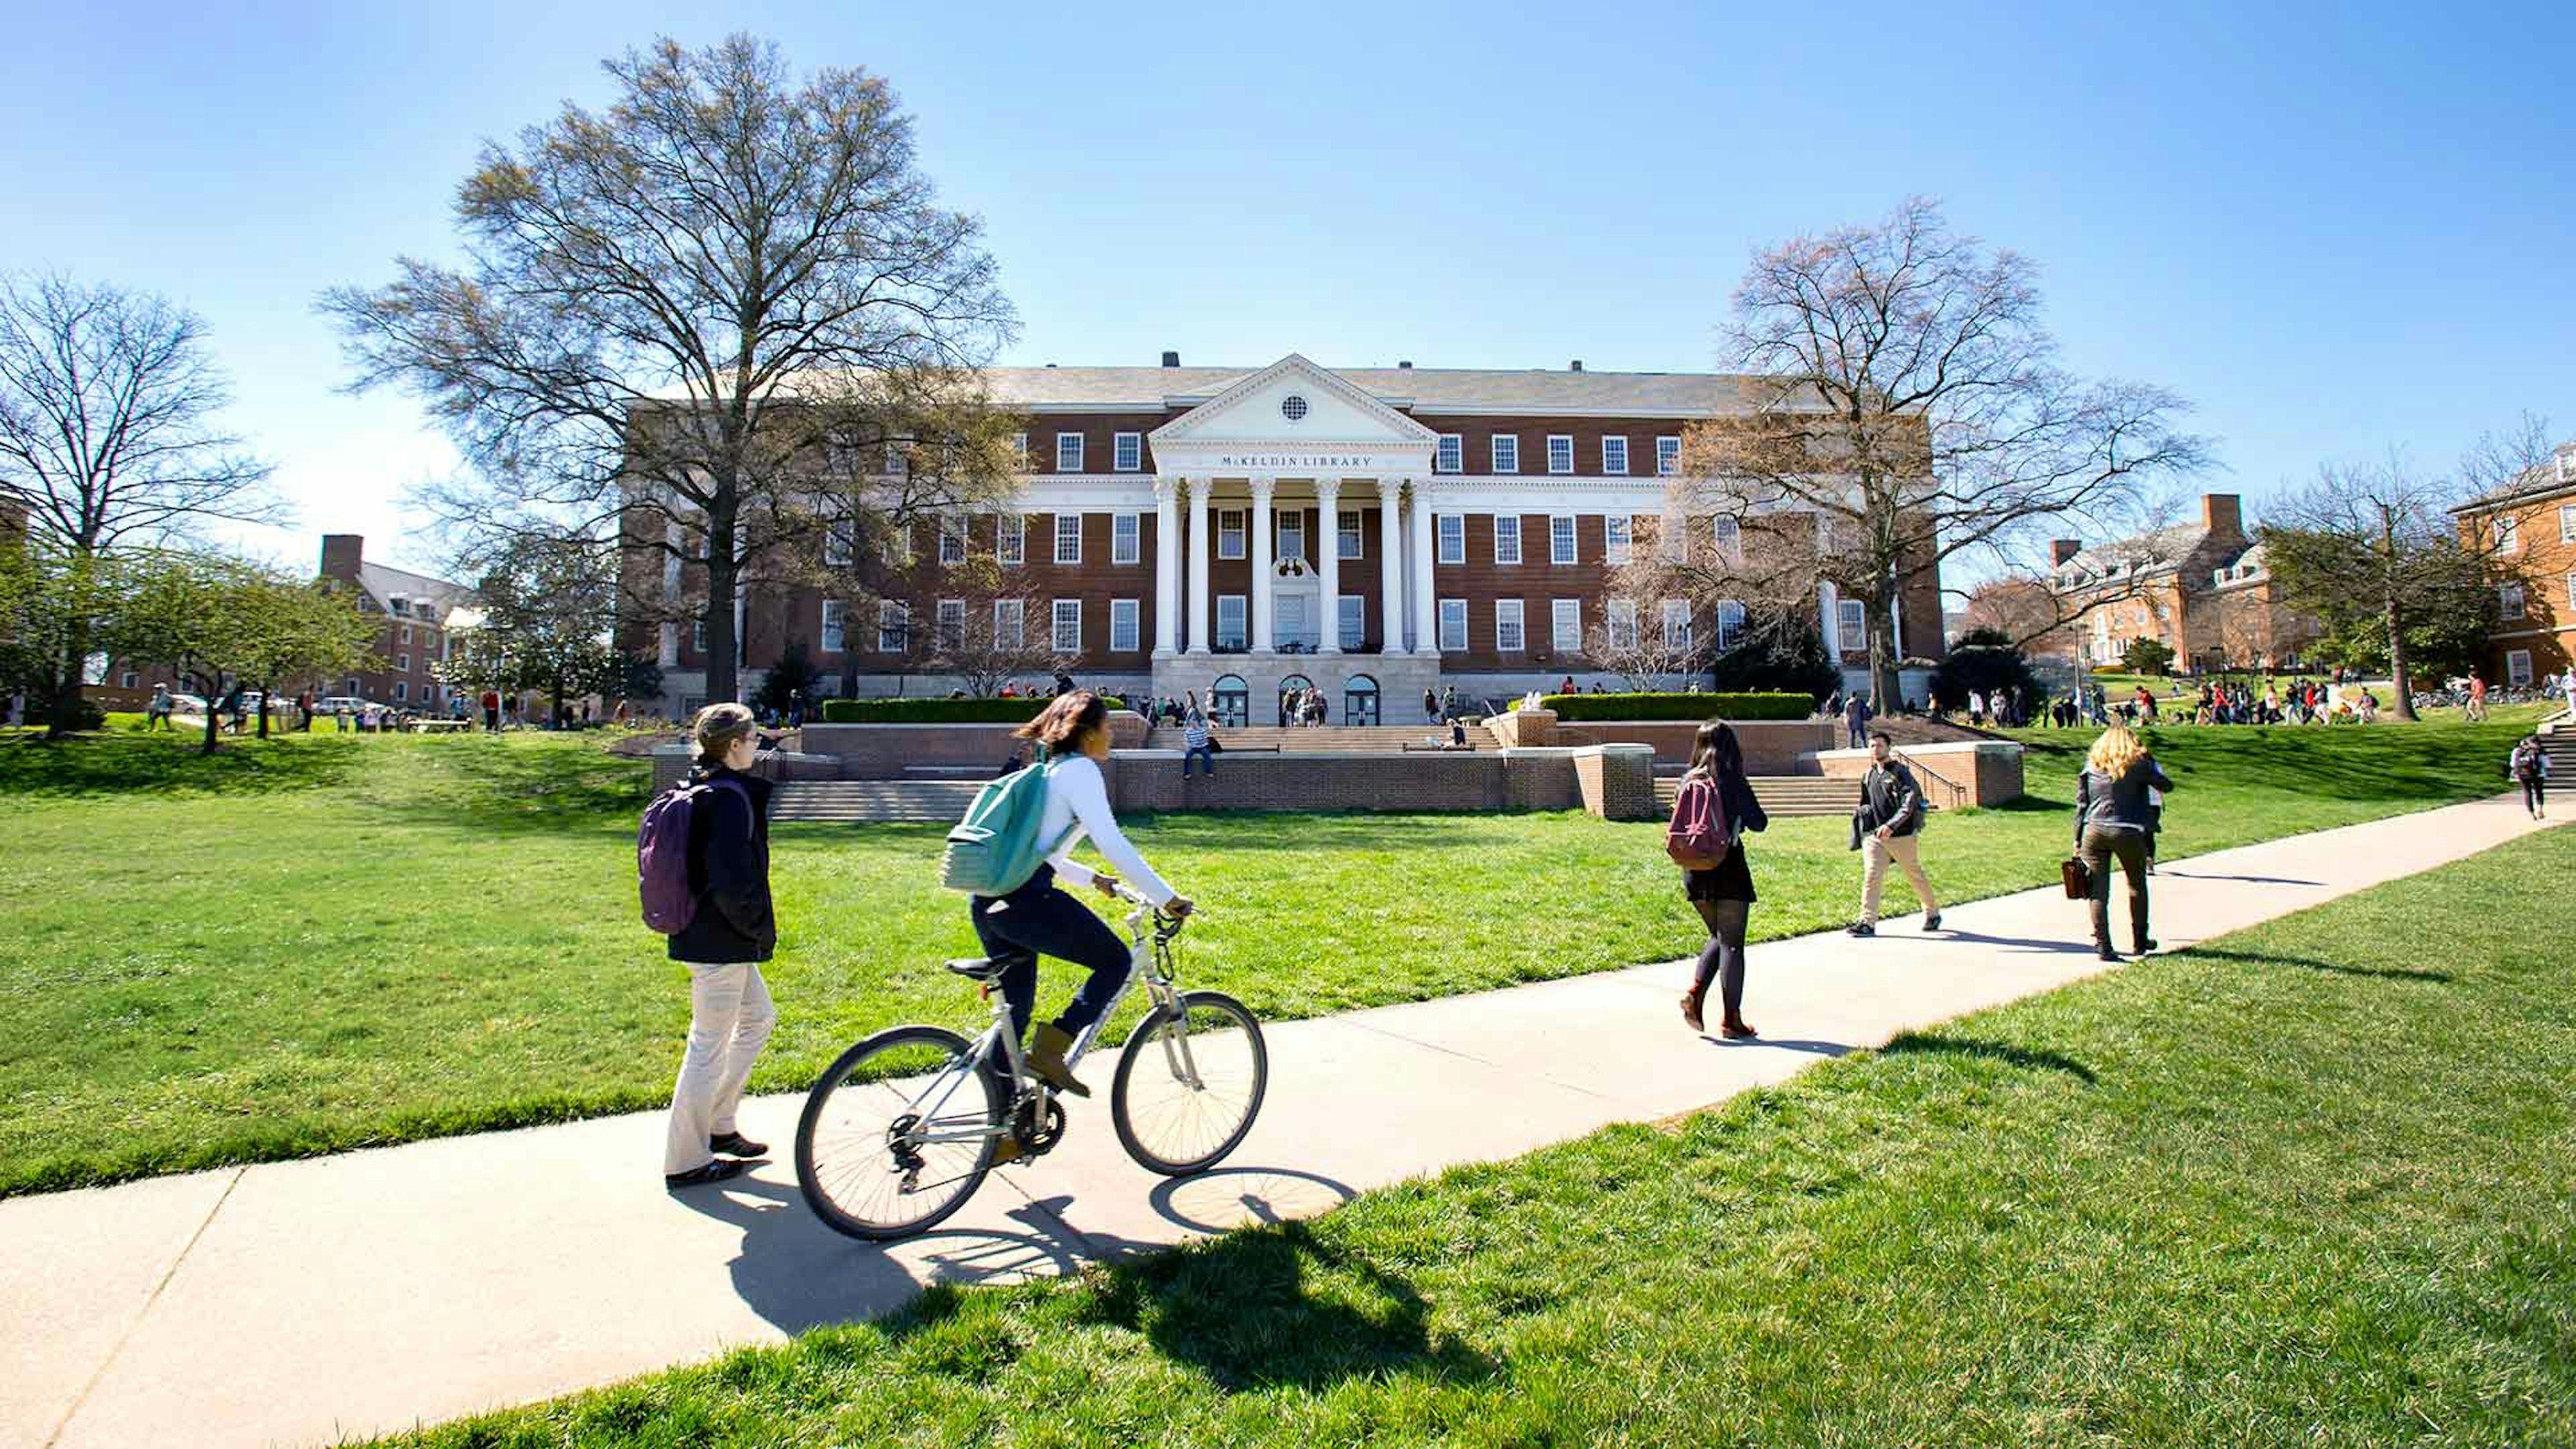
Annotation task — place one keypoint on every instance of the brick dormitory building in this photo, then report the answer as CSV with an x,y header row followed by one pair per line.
x,y
1374,532
2530,524
2202,589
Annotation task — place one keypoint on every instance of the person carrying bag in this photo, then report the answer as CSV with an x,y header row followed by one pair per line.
x,y
1712,812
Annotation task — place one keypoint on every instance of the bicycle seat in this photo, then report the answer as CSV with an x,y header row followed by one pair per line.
x,y
976,968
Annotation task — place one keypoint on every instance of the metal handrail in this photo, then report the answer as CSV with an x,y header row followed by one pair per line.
x,y
1959,794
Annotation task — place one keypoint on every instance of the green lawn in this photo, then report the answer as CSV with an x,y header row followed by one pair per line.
x,y
2305,1185
329,941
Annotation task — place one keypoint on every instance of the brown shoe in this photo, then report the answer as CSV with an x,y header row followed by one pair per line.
x,y
1734,1030
1690,1012
1046,1059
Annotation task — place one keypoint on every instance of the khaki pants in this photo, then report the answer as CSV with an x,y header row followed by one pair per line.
x,y
1875,854
729,1020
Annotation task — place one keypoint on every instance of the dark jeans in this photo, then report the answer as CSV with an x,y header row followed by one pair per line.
x,y
1200,753
1723,957
2129,848
1041,919
2535,794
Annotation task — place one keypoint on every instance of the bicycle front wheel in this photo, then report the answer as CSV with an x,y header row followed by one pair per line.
x,y
898,1133
1190,1083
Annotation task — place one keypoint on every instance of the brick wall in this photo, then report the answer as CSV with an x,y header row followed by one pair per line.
x,y
882,751
1988,771
1771,747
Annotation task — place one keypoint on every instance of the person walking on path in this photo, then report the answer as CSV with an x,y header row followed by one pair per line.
x,y
1430,707
1856,713
1041,917
1194,739
1713,792
2529,767
731,933
1887,826
2477,710
156,713
2113,820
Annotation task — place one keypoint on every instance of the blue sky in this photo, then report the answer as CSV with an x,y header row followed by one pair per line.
x,y
2336,229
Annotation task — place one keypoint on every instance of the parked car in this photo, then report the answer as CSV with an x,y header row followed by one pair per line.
x,y
339,704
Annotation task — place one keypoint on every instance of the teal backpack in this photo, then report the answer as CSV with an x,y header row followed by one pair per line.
x,y
995,849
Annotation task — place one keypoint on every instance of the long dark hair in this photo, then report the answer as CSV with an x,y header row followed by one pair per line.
x,y
1714,751
1066,720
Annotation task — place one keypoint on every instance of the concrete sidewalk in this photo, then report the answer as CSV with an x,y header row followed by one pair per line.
x,y
299,1302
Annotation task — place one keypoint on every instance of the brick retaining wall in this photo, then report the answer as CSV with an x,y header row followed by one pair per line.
x,y
882,751
1771,747
1989,770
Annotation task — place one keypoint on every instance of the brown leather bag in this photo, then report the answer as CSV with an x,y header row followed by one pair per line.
x,y
2078,880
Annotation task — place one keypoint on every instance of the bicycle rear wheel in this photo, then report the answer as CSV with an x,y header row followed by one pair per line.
x,y
898,1133
1189,1084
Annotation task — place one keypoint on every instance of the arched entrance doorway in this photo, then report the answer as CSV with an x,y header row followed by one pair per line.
x,y
1359,701
1230,700
1289,688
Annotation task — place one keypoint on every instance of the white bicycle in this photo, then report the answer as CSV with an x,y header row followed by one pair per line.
x,y
901,1130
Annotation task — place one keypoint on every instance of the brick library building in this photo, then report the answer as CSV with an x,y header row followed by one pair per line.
x,y
1371,532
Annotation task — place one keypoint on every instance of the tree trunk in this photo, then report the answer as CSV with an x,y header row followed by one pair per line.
x,y
723,682
67,694
558,693
214,710
1885,687
2397,670
264,693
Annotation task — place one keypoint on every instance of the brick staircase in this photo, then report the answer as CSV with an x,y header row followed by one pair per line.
x,y
1783,797
853,801
2558,741
1332,739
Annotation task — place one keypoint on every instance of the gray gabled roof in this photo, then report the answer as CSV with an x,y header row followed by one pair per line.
x,y
2165,548
384,583
1447,389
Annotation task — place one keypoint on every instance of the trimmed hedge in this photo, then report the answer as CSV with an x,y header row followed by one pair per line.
x,y
940,711
1679,706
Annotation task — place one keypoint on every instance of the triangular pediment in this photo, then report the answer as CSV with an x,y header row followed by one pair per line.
x,y
1294,402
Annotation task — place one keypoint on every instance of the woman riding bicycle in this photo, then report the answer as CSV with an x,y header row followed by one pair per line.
x,y
1040,918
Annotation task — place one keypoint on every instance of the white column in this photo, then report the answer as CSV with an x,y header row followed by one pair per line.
x,y
1426,590
1167,566
1390,562
1262,488
1328,530
1829,618
1199,605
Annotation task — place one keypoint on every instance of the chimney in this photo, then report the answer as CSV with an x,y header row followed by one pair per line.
x,y
2223,514
2062,549
1404,366
340,555
1575,366
1171,359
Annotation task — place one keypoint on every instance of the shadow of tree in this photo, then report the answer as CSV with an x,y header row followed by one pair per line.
x,y
2311,963
165,764
1914,1043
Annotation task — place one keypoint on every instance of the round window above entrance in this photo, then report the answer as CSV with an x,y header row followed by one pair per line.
x,y
1293,408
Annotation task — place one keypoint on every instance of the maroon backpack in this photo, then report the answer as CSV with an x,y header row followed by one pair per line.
x,y
1698,837
662,854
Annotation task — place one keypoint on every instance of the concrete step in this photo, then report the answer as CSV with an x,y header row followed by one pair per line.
x,y
856,801
1783,797
1338,739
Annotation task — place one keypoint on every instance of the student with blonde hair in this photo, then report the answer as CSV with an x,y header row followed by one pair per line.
x,y
2113,820
732,930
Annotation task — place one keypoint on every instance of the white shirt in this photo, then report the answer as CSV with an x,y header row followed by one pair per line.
x,y
1079,799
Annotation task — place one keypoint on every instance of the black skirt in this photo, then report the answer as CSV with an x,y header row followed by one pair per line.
x,y
1732,880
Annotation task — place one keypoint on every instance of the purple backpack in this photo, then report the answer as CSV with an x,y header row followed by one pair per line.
x,y
662,855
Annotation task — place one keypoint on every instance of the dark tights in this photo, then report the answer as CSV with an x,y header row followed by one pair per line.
x,y
1723,957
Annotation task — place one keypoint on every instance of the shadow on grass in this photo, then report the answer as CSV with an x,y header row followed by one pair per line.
x,y
1914,1043
2311,963
496,783
167,764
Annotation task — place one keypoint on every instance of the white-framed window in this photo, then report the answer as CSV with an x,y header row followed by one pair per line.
x,y
2517,668
1452,528
898,460
952,540
1349,539
1068,452
402,663
2567,523
898,546
1618,543
1126,538
1668,456
1508,637
129,680
1127,451
404,633
1020,450
841,543
836,624
1230,524
2515,606
1010,623
1854,624
1126,623
1727,535
894,626
402,691
1560,539
1068,626
697,640
1730,624
1451,455
1677,623
2571,595
1507,452
1507,538
1560,452
1566,615
951,618
1232,630
1010,540
1614,456
1068,538
1291,526
1622,616
2508,533
1354,622
1453,626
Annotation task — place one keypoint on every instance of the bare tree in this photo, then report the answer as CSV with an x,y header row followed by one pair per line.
x,y
1645,655
108,438
1002,631
679,313
1906,399
2023,610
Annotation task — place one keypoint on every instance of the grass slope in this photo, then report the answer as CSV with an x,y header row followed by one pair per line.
x,y
2305,1185
331,941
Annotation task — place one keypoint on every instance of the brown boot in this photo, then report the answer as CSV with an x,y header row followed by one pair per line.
x,y
1046,1059
1691,1002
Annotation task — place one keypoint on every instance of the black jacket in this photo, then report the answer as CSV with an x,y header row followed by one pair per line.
x,y
1888,796
2118,804
728,875
1744,813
